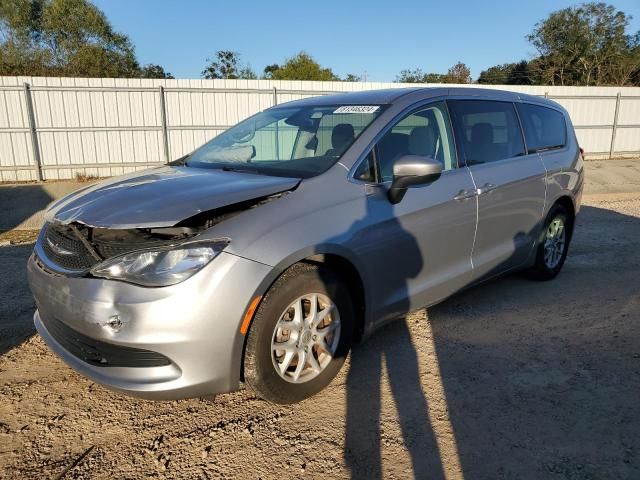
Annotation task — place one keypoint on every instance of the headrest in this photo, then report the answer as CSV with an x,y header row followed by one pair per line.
x,y
482,133
422,141
342,135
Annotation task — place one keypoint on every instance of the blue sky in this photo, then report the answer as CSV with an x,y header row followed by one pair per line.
x,y
377,37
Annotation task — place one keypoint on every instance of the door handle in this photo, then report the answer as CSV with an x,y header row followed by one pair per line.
x,y
465,194
486,188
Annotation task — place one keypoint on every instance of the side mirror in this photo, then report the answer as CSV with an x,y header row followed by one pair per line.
x,y
412,171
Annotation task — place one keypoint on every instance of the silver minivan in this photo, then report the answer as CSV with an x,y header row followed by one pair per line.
x,y
260,257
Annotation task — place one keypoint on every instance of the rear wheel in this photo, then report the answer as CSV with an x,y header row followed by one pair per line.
x,y
300,335
553,243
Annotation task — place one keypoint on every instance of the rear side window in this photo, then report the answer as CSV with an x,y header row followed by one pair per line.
x,y
487,131
544,128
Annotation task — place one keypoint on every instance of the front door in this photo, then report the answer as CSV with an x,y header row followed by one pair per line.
x,y
420,248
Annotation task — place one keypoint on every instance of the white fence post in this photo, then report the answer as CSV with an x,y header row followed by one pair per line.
x,y
615,126
32,130
163,118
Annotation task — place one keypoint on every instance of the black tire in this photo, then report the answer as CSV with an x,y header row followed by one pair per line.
x,y
541,270
259,371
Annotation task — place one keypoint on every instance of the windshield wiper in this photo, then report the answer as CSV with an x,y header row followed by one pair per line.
x,y
178,162
228,168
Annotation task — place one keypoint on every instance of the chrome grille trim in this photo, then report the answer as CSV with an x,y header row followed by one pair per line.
x,y
61,252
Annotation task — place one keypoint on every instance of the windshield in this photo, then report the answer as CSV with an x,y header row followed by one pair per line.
x,y
288,141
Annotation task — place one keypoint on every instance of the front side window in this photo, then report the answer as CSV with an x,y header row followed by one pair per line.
x,y
544,128
288,141
425,132
487,131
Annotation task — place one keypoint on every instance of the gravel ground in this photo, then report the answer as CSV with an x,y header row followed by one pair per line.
x,y
512,379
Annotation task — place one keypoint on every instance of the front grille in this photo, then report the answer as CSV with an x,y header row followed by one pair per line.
x,y
63,248
108,250
101,354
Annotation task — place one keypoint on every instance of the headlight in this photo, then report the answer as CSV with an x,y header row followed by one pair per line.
x,y
160,267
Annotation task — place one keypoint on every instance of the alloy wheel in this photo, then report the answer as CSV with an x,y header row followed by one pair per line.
x,y
554,242
306,338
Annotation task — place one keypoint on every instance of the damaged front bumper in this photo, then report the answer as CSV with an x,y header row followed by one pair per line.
x,y
116,327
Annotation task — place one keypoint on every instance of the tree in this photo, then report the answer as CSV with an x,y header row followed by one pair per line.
x,y
507,74
268,71
434,78
411,76
227,65
352,77
300,67
586,45
62,37
459,73
418,76
154,71
247,73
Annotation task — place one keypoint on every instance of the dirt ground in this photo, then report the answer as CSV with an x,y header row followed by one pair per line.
x,y
511,379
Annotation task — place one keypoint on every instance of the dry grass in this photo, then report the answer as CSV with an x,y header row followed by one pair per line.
x,y
83,177
16,237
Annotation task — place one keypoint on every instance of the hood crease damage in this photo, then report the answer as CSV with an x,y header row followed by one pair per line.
x,y
79,247
164,197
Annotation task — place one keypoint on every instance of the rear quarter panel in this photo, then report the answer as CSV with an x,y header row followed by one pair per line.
x,y
565,171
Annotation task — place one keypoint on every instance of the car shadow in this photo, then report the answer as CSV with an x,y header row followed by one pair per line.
x,y
20,203
527,379
16,302
377,231
392,348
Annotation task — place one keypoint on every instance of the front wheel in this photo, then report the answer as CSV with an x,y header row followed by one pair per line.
x,y
300,336
553,243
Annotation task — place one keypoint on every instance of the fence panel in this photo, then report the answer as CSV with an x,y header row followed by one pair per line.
x,y
108,127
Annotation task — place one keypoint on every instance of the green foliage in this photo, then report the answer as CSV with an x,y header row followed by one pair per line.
x,y
586,45
435,78
459,73
582,45
227,65
508,74
418,76
268,71
352,77
411,76
247,73
62,38
154,71
300,67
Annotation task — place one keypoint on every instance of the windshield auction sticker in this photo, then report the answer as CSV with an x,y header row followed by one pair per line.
x,y
357,109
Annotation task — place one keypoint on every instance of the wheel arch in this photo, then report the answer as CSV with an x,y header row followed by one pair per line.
x,y
567,202
339,260
346,270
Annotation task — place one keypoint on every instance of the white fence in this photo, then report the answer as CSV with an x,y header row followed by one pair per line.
x,y
54,128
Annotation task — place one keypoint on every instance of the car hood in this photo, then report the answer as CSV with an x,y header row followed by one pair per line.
x,y
162,197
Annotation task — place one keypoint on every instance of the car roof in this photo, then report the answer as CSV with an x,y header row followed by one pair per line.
x,y
392,95
362,97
